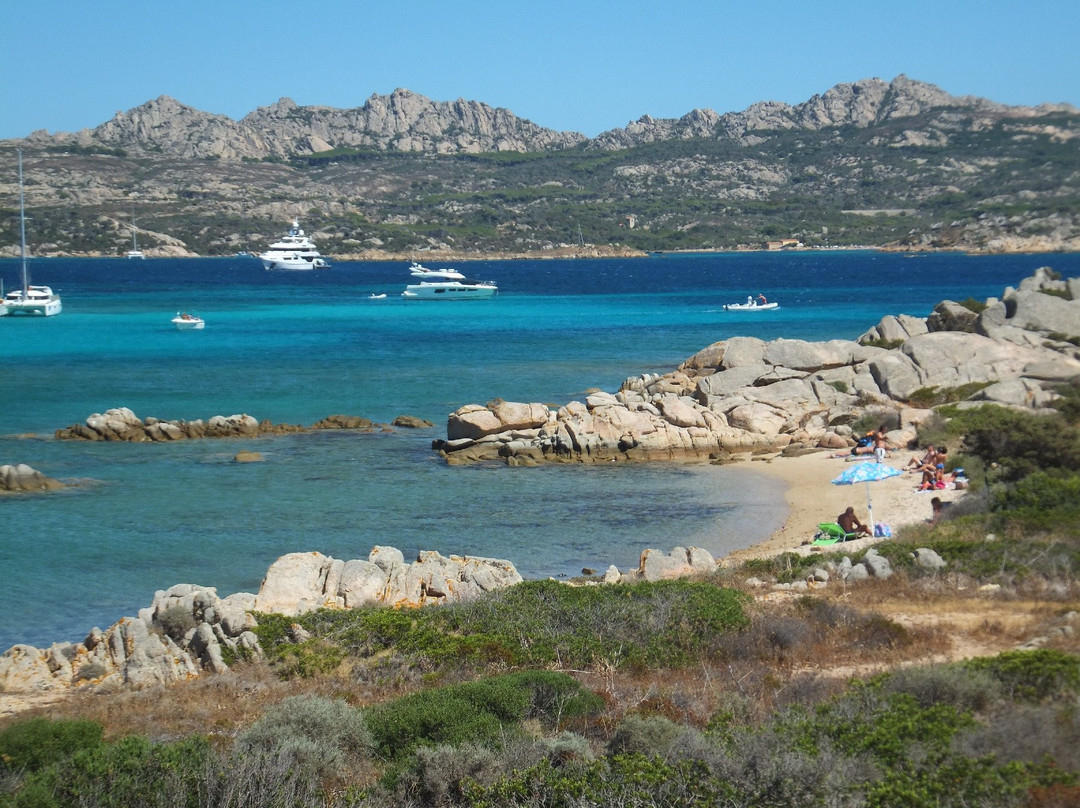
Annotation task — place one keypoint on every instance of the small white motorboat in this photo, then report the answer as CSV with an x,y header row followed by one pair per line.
x,y
377,297
758,303
187,322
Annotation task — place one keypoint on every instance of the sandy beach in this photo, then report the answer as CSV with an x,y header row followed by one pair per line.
x,y
811,498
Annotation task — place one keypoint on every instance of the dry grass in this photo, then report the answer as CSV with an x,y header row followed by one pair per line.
x,y
213,705
799,649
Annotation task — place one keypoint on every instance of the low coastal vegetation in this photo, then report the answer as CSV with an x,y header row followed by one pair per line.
x,y
696,692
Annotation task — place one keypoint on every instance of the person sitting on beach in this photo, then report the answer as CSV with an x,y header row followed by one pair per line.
x,y
936,506
918,463
933,478
931,463
851,524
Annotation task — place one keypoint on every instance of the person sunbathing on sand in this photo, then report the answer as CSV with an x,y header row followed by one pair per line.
x,y
851,524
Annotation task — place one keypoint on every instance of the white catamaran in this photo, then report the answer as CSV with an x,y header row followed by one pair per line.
x,y
38,301
134,252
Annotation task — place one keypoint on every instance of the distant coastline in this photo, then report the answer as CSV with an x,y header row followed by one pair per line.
x,y
577,253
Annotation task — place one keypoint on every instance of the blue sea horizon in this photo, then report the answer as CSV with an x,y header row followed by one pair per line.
x,y
296,347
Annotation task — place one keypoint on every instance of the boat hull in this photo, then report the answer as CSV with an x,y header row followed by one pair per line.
x,y
293,264
755,307
39,302
188,325
449,291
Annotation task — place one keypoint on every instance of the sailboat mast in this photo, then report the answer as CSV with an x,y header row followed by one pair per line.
x,y
22,230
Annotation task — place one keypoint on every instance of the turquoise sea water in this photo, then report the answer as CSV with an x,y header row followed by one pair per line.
x,y
295,347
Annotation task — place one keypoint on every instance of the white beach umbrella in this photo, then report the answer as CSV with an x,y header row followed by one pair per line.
x,y
867,472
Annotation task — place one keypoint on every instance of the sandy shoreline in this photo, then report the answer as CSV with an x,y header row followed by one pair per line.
x,y
811,497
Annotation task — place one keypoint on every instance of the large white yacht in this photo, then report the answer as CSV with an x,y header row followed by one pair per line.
x,y
446,284
294,251
40,301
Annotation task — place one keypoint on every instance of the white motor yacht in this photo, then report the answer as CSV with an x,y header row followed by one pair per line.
x,y
294,251
39,301
445,284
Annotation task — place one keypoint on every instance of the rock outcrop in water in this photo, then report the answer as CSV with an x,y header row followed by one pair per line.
x,y
22,478
121,424
746,395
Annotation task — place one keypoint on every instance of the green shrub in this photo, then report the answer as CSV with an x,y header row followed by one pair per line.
x,y
1005,560
318,735
1032,675
176,621
1043,499
955,685
875,417
1061,336
439,775
839,386
618,780
971,304
785,568
1068,403
35,743
650,735
925,397
934,431
476,712
1020,443
887,344
934,396
1062,293
129,772
537,623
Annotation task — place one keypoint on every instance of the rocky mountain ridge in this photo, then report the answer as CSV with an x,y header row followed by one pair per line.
x,y
407,122
899,164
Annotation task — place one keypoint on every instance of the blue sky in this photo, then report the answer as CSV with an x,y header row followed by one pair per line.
x,y
583,66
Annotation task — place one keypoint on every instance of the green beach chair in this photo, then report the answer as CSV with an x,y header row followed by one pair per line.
x,y
831,533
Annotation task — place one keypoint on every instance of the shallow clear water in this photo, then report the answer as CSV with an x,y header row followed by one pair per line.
x,y
295,347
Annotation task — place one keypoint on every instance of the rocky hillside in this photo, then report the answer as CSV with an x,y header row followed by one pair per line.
x,y
900,163
401,121
862,104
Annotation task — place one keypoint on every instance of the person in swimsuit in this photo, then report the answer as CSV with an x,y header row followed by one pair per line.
x,y
851,524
